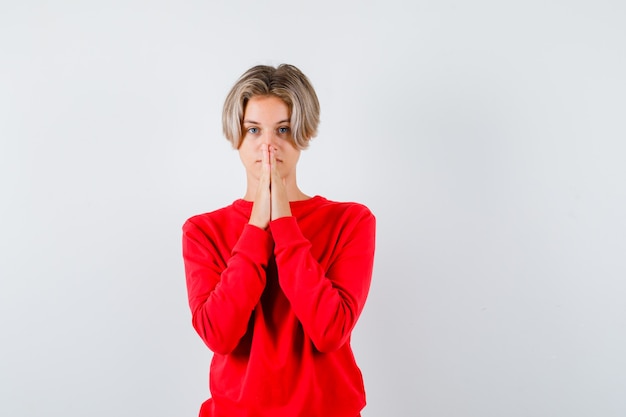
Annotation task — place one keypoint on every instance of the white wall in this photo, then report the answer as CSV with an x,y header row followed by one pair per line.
x,y
488,138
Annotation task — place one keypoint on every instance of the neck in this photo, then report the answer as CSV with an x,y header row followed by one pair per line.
x,y
293,191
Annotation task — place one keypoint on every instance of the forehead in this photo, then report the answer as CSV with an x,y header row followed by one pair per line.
x,y
266,108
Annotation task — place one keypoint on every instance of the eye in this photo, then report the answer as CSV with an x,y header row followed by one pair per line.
x,y
283,130
253,130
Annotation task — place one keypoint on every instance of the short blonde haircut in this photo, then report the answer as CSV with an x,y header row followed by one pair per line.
x,y
285,82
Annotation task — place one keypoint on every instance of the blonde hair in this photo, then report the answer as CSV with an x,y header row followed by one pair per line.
x,y
285,82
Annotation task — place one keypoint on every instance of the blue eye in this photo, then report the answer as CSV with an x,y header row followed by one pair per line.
x,y
283,130
253,130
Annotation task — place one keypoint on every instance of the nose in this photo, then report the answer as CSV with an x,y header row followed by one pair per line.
x,y
270,138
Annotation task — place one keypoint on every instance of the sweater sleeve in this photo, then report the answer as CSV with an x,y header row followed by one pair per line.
x,y
222,297
327,303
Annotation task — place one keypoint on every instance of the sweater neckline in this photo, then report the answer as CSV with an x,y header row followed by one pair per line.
x,y
245,203
295,205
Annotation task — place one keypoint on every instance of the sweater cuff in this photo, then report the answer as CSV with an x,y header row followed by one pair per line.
x,y
285,231
255,243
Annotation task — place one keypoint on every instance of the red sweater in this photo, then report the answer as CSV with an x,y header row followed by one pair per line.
x,y
277,307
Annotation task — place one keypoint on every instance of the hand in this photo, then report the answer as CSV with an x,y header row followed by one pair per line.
x,y
261,207
280,202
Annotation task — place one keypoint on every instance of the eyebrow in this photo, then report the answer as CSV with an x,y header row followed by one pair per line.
x,y
252,122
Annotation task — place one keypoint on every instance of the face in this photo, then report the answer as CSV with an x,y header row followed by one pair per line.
x,y
266,122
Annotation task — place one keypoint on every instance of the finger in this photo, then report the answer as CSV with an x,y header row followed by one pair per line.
x,y
261,209
265,162
274,165
265,158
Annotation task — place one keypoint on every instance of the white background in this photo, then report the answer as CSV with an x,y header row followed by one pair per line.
x,y
488,138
